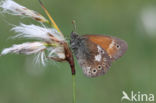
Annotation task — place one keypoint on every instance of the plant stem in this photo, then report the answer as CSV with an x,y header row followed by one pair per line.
x,y
74,88
69,57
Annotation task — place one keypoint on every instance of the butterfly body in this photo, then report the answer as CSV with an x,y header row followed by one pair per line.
x,y
95,53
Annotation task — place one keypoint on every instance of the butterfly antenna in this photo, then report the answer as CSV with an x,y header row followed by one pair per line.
x,y
74,25
50,17
74,33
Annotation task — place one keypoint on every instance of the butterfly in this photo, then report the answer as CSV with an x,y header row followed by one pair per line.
x,y
95,53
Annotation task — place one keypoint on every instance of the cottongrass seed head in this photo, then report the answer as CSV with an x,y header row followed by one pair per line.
x,y
48,40
45,46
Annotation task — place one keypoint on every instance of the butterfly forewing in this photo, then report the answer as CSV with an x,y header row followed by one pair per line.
x,y
115,47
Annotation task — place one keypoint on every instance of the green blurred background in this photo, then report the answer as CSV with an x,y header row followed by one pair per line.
x,y
21,81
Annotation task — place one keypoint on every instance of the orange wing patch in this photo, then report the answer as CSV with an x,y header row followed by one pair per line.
x,y
106,42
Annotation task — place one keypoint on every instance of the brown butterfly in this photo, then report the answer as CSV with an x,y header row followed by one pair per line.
x,y
95,53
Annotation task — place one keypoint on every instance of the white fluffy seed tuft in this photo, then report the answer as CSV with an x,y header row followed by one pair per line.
x,y
11,7
25,48
41,58
36,32
57,52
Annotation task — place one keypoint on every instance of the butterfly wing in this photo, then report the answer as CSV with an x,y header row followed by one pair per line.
x,y
92,58
114,46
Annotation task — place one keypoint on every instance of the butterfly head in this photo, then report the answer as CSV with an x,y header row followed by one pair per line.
x,y
74,41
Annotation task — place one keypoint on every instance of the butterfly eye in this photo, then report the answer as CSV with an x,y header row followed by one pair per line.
x,y
99,67
117,46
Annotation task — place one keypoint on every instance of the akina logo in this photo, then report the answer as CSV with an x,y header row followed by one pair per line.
x,y
137,97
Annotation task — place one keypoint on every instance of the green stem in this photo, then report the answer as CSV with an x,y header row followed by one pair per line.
x,y
74,88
